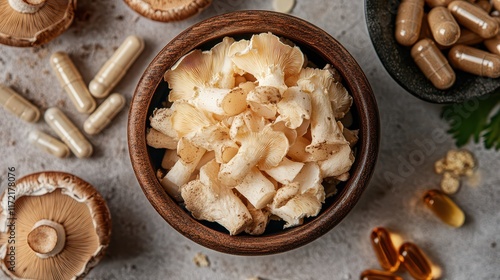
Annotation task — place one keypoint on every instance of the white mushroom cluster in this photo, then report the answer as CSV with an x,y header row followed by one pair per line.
x,y
251,133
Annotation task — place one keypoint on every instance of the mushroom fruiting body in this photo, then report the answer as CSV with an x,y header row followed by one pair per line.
x,y
32,23
165,11
62,227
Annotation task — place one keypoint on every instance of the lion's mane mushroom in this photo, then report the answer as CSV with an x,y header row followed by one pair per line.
x,y
168,10
29,23
61,231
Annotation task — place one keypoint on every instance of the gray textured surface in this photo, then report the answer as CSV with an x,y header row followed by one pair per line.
x,y
145,247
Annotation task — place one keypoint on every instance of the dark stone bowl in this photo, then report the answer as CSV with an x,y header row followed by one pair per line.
x,y
380,18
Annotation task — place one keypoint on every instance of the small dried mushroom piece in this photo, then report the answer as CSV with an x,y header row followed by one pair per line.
x,y
62,227
29,23
168,10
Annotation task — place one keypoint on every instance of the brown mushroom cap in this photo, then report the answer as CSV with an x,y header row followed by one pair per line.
x,y
168,10
35,26
43,202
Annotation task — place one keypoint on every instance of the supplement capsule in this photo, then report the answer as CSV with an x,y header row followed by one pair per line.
x,y
425,30
443,207
372,274
409,21
68,132
496,4
445,29
433,64
72,82
485,5
493,44
48,144
384,249
104,114
469,38
17,105
115,68
475,61
436,3
415,261
474,18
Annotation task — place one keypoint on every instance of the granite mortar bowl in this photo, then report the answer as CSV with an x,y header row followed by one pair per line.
x,y
397,60
320,48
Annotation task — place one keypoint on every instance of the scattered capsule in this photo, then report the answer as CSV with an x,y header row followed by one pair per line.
x,y
485,5
104,114
409,21
474,18
443,207
436,3
372,274
384,249
475,61
469,38
68,132
493,44
48,144
72,82
444,27
433,64
415,262
18,105
115,68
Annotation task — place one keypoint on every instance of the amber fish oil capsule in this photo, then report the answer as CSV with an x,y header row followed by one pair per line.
x,y
475,61
409,21
18,105
72,82
474,18
444,208
372,274
48,144
116,67
415,262
445,29
104,114
68,132
433,64
384,249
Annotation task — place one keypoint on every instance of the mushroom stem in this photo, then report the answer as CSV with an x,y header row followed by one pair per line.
x,y
47,238
27,6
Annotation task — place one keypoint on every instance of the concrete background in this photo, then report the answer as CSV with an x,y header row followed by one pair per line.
x,y
143,246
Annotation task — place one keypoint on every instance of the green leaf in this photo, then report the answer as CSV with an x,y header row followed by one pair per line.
x,y
492,135
469,119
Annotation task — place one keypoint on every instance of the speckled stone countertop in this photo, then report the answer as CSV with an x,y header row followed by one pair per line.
x,y
143,246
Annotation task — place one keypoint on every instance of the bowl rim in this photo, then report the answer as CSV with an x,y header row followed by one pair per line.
x,y
245,22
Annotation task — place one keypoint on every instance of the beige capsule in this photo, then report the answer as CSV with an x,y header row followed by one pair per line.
x,y
496,4
18,105
475,61
474,18
493,44
48,144
68,132
409,21
485,5
104,114
115,68
433,64
436,3
469,38
72,82
444,27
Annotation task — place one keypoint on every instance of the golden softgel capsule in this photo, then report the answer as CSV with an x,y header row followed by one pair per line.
x,y
372,274
104,114
433,64
116,67
68,132
18,105
384,249
409,21
444,208
415,262
48,144
72,82
474,18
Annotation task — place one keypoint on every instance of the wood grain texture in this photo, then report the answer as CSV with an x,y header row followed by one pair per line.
x,y
304,34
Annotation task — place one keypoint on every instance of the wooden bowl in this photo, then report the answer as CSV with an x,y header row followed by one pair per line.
x,y
320,48
381,18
